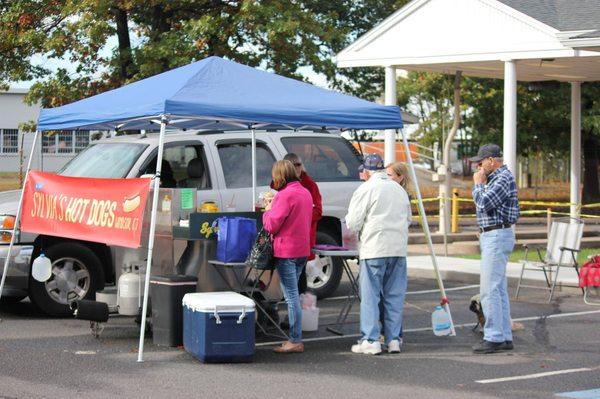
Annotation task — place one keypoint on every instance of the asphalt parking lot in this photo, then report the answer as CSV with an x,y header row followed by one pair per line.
x,y
557,351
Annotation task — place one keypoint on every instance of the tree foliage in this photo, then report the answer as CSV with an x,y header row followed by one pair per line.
x,y
109,43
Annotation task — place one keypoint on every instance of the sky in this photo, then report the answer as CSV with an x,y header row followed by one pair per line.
x,y
54,64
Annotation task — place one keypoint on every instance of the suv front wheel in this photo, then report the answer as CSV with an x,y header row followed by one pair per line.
x,y
324,273
76,274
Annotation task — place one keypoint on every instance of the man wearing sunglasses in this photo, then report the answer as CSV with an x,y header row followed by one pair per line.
x,y
497,207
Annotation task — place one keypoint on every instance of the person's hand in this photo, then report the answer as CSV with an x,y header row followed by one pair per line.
x,y
479,177
268,204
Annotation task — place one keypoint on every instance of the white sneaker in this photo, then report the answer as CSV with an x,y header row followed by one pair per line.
x,y
394,346
367,348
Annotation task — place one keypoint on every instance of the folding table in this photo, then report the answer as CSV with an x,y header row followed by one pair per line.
x,y
353,295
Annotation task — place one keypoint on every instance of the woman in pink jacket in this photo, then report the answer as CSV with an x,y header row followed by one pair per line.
x,y
288,218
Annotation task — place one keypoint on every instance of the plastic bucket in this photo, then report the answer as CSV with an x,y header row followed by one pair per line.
x,y
310,319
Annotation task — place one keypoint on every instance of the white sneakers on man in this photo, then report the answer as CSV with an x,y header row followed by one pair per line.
x,y
367,348
394,346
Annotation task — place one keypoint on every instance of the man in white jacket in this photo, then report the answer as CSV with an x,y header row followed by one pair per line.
x,y
380,213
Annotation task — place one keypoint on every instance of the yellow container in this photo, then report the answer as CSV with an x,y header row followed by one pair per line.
x,y
209,207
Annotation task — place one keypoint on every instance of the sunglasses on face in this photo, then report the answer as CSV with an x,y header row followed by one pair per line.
x,y
297,163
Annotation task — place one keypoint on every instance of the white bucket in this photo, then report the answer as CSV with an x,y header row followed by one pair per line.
x,y
310,319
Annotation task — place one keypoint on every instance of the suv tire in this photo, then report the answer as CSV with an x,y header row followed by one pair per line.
x,y
329,270
76,274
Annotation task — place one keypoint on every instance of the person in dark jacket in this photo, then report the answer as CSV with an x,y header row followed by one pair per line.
x,y
317,211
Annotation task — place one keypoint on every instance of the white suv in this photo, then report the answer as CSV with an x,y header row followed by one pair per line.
x,y
218,165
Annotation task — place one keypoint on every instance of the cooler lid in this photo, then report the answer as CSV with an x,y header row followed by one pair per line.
x,y
224,301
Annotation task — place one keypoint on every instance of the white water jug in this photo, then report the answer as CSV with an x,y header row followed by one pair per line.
x,y
41,270
440,322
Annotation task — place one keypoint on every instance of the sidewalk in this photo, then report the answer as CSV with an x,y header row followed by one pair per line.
x,y
467,270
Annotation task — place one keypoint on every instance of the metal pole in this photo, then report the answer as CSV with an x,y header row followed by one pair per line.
x,y
161,141
390,99
575,149
253,170
18,215
427,232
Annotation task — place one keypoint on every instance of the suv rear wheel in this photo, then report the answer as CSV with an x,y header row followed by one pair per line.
x,y
324,274
76,274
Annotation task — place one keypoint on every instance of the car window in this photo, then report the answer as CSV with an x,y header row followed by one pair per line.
x,y
236,160
104,160
325,158
183,166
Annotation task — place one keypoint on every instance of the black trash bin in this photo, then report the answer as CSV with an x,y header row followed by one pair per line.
x,y
166,293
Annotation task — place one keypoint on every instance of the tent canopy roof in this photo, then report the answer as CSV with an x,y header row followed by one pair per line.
x,y
219,94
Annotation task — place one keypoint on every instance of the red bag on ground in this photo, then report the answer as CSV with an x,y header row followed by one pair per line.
x,y
589,274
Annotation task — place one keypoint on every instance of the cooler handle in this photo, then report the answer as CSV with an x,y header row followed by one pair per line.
x,y
230,309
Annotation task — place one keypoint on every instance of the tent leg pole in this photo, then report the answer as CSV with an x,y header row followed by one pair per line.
x,y
18,215
253,170
426,231
161,141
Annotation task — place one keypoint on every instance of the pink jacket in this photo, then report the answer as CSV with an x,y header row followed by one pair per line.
x,y
289,221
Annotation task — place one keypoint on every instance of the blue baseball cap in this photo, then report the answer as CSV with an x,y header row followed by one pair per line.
x,y
373,162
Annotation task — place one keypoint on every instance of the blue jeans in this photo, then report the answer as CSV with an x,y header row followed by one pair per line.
x,y
496,247
377,276
289,273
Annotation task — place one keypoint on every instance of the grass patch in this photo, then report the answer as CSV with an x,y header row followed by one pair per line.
x,y
520,255
9,181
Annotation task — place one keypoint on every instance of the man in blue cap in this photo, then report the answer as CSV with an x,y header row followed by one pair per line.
x,y
497,207
380,212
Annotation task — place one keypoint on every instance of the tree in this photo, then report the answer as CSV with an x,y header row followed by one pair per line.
x,y
153,36
543,112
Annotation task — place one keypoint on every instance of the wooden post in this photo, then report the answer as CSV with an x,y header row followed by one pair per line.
x,y
455,210
548,219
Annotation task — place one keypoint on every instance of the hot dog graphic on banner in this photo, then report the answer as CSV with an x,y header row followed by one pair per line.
x,y
109,211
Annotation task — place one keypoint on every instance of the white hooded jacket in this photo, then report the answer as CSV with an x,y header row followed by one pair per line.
x,y
380,213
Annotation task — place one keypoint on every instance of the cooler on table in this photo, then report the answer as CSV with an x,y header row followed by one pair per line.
x,y
219,326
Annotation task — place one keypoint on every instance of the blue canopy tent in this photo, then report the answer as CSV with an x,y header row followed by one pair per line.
x,y
219,94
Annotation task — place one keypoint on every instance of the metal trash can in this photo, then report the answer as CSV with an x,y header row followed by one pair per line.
x,y
166,293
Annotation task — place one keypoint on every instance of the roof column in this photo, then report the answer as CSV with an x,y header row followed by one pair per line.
x,y
575,148
390,99
510,116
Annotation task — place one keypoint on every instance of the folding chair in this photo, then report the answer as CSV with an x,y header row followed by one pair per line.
x,y
562,248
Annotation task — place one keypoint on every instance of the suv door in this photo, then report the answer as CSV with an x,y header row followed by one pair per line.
x,y
185,165
234,158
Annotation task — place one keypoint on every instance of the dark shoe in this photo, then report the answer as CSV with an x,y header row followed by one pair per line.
x,y
506,346
487,347
290,347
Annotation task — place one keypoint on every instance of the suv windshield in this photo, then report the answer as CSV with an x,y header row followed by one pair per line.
x,y
325,158
108,160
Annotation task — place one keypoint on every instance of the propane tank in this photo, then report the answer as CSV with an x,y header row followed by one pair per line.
x,y
129,293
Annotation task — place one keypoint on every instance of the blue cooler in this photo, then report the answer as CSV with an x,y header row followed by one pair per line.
x,y
218,327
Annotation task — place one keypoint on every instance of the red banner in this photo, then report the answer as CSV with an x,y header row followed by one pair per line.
x,y
100,210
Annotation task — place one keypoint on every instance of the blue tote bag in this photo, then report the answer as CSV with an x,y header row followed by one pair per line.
x,y
235,238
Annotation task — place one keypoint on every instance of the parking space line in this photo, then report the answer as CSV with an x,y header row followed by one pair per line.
x,y
464,287
536,375
466,325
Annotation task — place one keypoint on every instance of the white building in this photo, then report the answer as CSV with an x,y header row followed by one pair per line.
x,y
57,149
